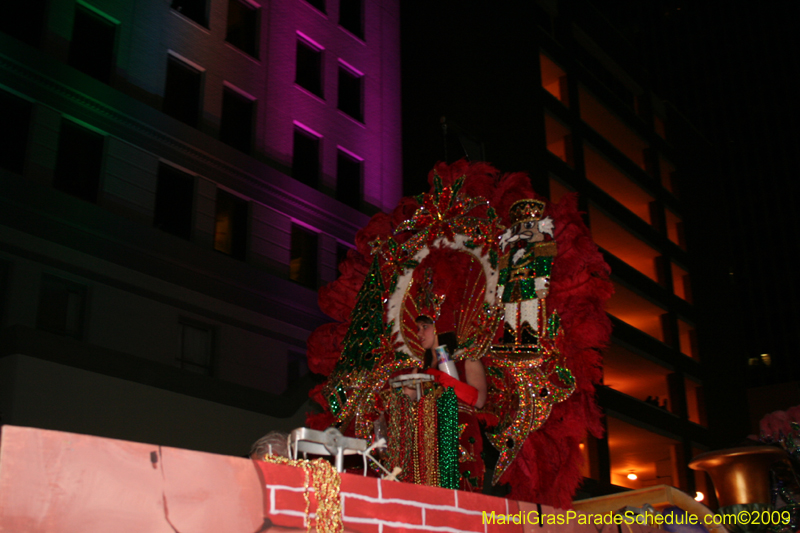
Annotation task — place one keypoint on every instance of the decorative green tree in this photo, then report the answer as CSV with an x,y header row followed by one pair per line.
x,y
363,337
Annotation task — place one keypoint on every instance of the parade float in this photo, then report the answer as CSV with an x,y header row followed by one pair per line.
x,y
522,286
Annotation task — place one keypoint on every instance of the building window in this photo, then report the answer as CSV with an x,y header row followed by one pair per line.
x,y
230,233
79,161
675,229
681,283
309,67
659,127
24,20
348,179
630,373
62,305
667,173
182,91
654,459
197,347
15,119
193,9
351,90
92,48
303,259
554,79
351,16
617,184
695,402
319,4
305,159
687,339
236,126
615,239
612,128
243,26
558,190
174,200
639,312
559,138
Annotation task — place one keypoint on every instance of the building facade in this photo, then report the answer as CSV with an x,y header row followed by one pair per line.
x,y
610,138
178,178
562,96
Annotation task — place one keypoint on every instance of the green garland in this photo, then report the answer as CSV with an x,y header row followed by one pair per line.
x,y
447,405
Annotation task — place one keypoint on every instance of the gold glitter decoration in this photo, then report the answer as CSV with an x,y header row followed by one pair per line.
x,y
464,455
536,394
444,213
474,319
429,441
427,302
412,436
527,209
529,358
403,436
363,388
400,428
325,480
445,220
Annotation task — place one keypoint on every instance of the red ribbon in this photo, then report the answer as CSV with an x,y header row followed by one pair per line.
x,y
464,391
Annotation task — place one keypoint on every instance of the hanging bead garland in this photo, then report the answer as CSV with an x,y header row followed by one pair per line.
x,y
325,480
448,439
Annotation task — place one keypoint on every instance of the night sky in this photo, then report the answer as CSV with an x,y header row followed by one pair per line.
x,y
464,61
728,67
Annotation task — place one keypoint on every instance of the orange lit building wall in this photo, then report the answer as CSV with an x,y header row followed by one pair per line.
x,y
688,344
559,142
666,169
694,402
587,466
653,458
636,311
632,374
613,182
675,229
681,284
621,243
554,79
611,127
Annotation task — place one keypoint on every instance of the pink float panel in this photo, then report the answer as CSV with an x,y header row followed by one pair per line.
x,y
57,482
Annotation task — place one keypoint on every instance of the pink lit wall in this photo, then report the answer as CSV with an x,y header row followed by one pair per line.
x,y
149,31
377,139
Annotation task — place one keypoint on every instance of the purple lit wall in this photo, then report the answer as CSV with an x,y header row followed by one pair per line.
x,y
161,300
377,140
149,31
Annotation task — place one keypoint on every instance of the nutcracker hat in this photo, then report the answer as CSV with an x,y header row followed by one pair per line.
x,y
525,210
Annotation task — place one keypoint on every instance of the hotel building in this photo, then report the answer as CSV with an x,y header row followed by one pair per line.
x,y
178,178
570,104
609,137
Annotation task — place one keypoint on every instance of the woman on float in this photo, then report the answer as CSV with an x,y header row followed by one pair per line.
x,y
470,390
